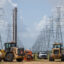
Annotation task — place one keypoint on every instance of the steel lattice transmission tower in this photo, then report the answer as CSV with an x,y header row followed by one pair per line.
x,y
58,26
1,13
51,33
41,43
8,33
1,21
1,47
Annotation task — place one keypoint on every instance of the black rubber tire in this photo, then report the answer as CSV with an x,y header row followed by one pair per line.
x,y
19,60
62,59
51,59
9,57
29,57
0,59
4,60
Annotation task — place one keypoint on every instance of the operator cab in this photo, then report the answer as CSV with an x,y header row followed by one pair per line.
x,y
57,45
9,46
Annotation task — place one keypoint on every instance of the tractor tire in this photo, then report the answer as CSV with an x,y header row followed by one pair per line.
x,y
51,59
29,57
4,60
0,59
19,60
9,57
62,59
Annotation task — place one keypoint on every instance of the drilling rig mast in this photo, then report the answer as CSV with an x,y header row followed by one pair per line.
x,y
15,25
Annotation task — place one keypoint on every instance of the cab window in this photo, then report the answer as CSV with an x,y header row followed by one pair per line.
x,y
57,46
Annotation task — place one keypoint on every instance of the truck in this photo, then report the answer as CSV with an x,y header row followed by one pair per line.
x,y
28,55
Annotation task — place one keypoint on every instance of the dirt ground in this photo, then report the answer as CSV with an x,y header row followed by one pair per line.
x,y
34,62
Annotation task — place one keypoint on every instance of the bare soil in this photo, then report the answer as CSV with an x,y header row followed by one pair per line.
x,y
34,62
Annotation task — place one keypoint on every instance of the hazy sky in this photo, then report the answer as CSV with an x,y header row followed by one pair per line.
x,y
32,17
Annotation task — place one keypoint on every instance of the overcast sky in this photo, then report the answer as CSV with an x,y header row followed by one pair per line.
x,y
32,17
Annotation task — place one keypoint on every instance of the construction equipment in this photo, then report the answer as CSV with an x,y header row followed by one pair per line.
x,y
12,52
2,54
57,52
28,55
11,49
